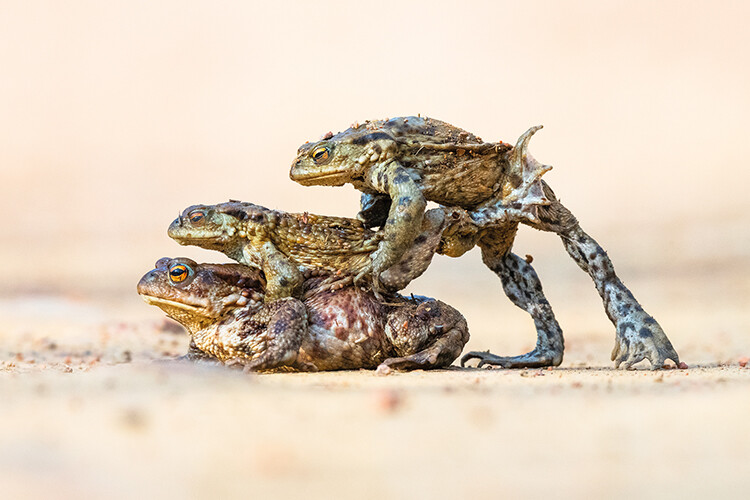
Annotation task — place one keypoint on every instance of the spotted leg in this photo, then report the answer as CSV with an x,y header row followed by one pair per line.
x,y
638,335
404,219
418,256
523,288
525,194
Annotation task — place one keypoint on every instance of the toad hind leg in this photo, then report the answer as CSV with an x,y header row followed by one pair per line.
x,y
438,355
523,288
638,335
426,335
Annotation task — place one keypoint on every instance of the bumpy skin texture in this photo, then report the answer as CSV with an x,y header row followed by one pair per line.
x,y
400,163
411,160
223,309
288,246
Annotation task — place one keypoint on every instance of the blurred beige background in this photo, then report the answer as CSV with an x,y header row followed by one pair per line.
x,y
116,115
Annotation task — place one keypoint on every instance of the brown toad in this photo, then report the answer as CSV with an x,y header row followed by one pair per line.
x,y
286,246
402,163
223,309
413,160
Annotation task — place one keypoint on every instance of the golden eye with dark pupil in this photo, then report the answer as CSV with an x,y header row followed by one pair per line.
x,y
321,154
178,273
196,217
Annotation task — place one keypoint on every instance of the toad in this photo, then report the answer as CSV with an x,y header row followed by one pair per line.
x,y
401,163
288,245
223,308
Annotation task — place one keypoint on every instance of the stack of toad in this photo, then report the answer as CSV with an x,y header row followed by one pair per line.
x,y
313,292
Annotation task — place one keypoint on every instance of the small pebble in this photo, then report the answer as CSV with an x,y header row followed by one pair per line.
x,y
383,369
743,361
388,400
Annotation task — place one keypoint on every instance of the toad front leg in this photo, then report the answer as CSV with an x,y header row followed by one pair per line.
x,y
404,217
638,336
266,340
282,275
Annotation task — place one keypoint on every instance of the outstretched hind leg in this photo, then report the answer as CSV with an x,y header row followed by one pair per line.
x,y
638,335
522,286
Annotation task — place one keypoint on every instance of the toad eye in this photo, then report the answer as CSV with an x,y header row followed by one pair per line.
x,y
321,154
197,217
178,273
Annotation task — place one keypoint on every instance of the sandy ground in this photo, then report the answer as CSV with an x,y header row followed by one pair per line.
x,y
196,432
93,407
117,115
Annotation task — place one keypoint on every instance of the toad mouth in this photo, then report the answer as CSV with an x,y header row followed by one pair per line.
x,y
155,301
190,238
309,176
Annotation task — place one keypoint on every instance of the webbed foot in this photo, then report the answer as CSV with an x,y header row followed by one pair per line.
x,y
429,358
638,335
439,355
522,286
534,359
639,338
520,201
